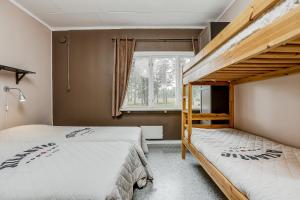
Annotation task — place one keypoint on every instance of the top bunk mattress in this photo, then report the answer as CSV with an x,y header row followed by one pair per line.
x,y
285,6
258,167
29,133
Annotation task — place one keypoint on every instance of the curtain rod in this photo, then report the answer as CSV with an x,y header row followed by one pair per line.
x,y
161,39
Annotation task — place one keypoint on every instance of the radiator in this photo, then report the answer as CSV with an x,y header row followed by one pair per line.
x,y
152,132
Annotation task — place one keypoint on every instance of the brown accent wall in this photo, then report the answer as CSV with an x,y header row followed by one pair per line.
x,y
91,67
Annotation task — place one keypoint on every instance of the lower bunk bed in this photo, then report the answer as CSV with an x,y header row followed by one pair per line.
x,y
245,166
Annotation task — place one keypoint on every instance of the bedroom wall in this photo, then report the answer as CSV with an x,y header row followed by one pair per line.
x,y
25,43
91,64
234,10
268,108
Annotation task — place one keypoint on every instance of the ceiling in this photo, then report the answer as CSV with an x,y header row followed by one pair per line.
x,y
72,14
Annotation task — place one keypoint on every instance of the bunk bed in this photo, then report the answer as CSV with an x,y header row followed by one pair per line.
x,y
263,42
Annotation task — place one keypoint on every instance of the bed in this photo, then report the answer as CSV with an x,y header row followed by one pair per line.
x,y
262,43
71,170
260,168
74,133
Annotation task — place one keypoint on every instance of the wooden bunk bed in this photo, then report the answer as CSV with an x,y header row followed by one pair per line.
x,y
271,51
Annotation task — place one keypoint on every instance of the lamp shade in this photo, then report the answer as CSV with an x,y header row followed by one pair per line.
x,y
22,98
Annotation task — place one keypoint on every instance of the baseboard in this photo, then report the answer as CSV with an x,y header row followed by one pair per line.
x,y
163,141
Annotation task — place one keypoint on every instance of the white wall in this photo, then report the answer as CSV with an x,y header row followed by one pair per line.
x,y
25,43
234,10
270,108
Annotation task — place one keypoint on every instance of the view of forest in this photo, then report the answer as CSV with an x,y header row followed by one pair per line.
x,y
155,81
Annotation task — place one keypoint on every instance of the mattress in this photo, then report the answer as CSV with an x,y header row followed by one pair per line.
x,y
71,170
258,167
74,133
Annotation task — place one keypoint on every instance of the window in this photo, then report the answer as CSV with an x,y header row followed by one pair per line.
x,y
155,81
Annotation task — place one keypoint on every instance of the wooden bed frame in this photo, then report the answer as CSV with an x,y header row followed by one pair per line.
x,y
188,117
269,52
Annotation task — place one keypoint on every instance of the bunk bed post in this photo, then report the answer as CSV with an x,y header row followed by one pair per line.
x,y
190,111
183,121
231,105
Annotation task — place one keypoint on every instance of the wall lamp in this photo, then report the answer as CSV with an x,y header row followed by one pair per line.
x,y
21,95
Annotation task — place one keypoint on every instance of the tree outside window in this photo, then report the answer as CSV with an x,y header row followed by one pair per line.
x,y
156,80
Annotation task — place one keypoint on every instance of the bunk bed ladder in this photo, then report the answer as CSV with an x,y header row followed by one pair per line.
x,y
184,117
190,111
187,114
231,105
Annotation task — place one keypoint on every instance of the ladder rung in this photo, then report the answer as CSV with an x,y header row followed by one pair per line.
x,y
210,116
211,126
208,126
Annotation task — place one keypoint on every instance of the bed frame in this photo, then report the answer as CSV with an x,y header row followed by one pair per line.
x,y
269,52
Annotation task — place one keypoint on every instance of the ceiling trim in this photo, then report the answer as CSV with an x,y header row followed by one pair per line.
x,y
30,14
124,27
225,10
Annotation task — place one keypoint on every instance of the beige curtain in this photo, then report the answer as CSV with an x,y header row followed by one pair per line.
x,y
124,49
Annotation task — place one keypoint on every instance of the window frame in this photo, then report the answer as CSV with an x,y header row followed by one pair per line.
x,y
163,54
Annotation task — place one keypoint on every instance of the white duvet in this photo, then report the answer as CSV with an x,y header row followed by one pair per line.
x,y
71,170
74,133
260,168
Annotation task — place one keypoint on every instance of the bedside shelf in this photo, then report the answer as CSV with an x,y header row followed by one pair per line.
x,y
20,73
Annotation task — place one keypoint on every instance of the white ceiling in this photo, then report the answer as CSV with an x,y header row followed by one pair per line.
x,y
72,14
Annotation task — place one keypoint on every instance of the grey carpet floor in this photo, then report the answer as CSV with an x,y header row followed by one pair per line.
x,y
176,179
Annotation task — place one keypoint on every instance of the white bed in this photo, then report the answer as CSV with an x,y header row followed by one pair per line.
x,y
74,133
259,168
71,170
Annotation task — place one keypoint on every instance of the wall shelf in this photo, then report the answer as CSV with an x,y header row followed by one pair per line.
x,y
20,73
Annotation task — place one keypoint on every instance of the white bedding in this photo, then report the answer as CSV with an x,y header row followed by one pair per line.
x,y
71,170
260,168
74,133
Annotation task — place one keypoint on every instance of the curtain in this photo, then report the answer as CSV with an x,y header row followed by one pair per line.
x,y
124,49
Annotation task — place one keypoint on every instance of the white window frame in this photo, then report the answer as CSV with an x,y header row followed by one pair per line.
x,y
151,55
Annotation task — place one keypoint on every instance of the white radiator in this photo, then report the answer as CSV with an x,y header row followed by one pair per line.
x,y
152,132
